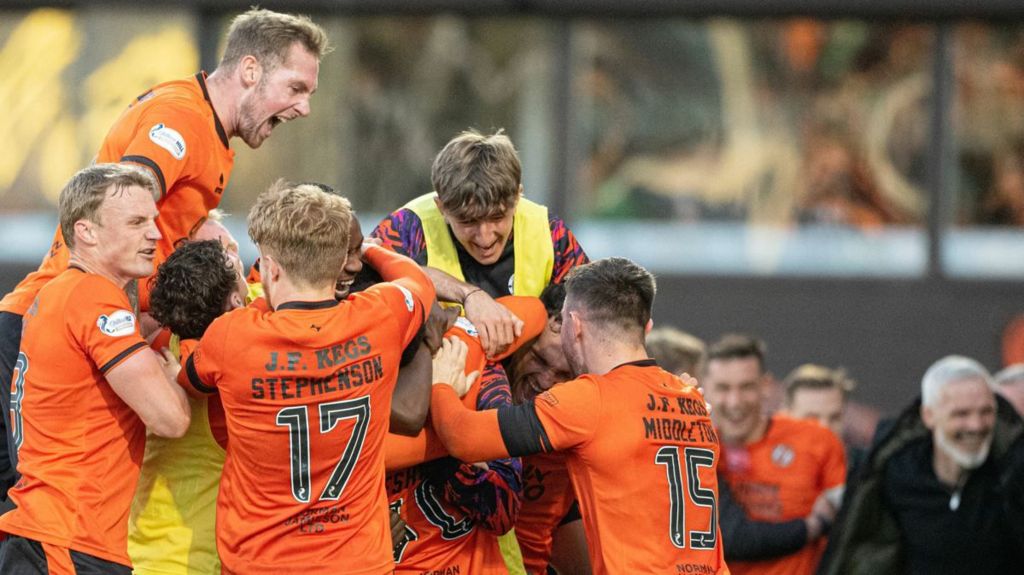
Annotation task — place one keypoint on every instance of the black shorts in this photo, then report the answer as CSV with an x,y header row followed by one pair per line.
x,y
10,341
30,557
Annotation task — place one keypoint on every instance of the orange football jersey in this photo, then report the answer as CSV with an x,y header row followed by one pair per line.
x,y
779,477
306,391
79,445
440,535
547,498
174,132
641,453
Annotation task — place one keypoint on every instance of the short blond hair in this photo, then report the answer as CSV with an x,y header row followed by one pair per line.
x,y
477,177
677,351
84,193
811,376
268,36
304,229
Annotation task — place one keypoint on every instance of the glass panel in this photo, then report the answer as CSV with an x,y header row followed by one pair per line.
x,y
985,236
394,91
67,74
795,147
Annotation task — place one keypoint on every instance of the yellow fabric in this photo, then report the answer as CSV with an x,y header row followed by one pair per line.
x,y
511,553
255,292
531,237
171,529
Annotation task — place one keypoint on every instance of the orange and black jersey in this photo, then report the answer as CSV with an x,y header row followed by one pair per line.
x,y
661,517
174,132
306,390
79,444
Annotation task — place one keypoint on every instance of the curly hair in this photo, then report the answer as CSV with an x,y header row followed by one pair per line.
x,y
191,287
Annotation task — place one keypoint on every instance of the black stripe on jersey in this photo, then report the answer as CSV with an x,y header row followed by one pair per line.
x,y
152,166
522,430
121,356
322,304
193,377
201,79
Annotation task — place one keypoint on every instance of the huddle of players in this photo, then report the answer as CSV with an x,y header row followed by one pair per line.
x,y
295,393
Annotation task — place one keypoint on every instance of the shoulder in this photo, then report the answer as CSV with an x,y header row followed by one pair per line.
x,y
94,288
808,435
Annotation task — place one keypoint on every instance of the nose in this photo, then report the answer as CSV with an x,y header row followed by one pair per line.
x,y
486,232
153,232
303,107
353,265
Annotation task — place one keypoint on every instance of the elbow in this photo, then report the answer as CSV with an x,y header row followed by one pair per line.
x,y
407,422
172,426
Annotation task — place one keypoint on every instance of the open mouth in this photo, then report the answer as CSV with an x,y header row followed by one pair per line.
x,y
275,121
149,253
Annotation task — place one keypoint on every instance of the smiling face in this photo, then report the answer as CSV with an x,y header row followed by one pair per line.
x,y
962,421
735,388
125,233
279,95
540,365
484,238
353,260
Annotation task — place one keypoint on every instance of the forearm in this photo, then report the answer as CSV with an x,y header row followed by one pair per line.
x,y
745,539
448,288
401,452
411,400
468,435
401,270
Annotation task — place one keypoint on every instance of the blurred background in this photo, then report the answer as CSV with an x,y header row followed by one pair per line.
x,y
842,178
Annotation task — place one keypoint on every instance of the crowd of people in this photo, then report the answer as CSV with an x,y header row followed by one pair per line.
x,y
461,392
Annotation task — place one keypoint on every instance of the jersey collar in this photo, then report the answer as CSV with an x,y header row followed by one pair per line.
x,y
201,79
638,363
323,304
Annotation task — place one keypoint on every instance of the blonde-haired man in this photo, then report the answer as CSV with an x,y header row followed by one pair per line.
x,y
306,382
87,387
180,132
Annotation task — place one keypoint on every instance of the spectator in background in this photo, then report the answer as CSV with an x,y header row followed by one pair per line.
x,y
776,466
943,491
1010,385
676,351
820,393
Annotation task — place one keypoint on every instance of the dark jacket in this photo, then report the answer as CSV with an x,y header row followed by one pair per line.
x,y
866,538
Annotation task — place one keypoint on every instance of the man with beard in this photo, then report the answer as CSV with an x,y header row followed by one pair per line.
x,y
180,131
943,488
640,447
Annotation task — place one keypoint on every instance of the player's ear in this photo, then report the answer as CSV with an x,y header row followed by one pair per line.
x,y
928,416
85,232
649,326
249,70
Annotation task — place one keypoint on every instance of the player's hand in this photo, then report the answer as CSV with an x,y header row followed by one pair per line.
x,y
148,326
823,514
397,529
449,365
498,327
169,364
369,243
439,321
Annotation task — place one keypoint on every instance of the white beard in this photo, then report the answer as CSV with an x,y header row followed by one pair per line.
x,y
962,458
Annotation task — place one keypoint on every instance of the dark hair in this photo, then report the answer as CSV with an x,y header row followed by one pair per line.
x,y
191,287
737,346
553,297
613,291
810,376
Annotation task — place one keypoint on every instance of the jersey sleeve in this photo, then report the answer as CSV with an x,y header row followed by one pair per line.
x,y
568,413
533,315
568,251
167,141
402,232
201,371
103,323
